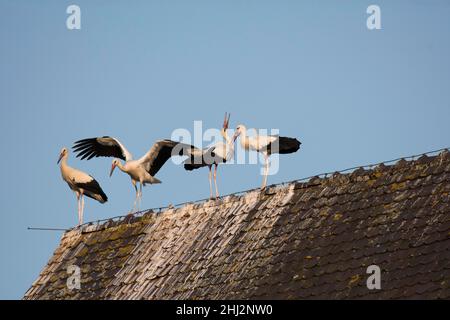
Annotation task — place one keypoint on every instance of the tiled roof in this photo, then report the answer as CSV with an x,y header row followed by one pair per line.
x,y
299,241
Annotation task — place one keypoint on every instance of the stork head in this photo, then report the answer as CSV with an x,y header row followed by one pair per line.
x,y
115,163
239,130
64,152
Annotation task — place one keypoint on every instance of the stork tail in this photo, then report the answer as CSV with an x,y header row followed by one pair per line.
x,y
288,145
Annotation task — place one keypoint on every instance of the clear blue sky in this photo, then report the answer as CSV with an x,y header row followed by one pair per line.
x,y
137,70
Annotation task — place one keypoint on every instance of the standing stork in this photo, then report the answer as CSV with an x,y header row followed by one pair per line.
x,y
218,153
266,145
81,183
141,171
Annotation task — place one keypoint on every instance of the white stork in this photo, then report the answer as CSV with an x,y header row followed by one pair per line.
x,y
142,170
266,145
81,183
218,153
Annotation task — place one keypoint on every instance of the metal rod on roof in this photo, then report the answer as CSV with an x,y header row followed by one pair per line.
x,y
46,229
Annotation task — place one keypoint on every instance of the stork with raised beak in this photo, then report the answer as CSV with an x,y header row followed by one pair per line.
x,y
81,183
141,171
219,152
266,145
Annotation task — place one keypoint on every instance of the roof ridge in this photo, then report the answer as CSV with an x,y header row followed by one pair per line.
x,y
309,181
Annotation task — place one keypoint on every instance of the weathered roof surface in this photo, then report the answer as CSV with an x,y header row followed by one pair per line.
x,y
301,241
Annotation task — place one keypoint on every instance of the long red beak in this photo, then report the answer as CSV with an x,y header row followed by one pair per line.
x,y
226,121
59,159
236,135
112,169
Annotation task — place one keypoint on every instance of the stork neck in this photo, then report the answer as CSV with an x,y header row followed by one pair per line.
x,y
243,135
63,162
244,139
63,166
226,137
121,167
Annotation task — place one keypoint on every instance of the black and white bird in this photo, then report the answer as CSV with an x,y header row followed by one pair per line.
x,y
81,183
219,152
266,145
141,171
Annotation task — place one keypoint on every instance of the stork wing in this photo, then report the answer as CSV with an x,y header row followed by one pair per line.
x,y
101,147
161,151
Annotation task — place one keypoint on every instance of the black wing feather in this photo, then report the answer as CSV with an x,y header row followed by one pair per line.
x,y
98,147
207,157
162,151
92,188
